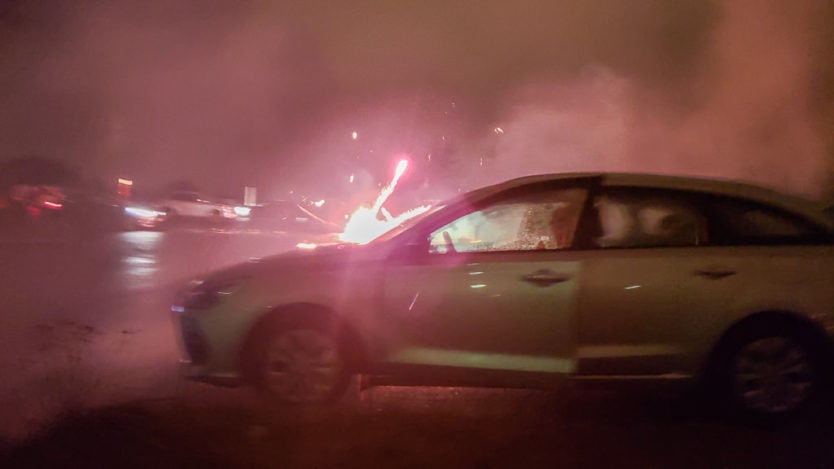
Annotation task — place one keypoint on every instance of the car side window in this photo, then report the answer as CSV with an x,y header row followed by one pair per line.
x,y
543,221
740,222
647,220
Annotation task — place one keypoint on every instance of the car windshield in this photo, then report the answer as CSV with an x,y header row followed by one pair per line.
x,y
407,225
473,195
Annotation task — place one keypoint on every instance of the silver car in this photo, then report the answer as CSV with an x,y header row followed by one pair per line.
x,y
604,277
193,204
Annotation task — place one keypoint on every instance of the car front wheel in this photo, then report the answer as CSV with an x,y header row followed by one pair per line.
x,y
301,365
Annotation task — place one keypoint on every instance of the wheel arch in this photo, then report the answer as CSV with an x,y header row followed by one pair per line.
x,y
791,321
301,314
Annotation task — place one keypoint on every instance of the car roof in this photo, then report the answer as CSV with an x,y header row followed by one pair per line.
x,y
722,187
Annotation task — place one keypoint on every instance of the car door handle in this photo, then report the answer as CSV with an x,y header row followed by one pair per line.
x,y
545,277
715,274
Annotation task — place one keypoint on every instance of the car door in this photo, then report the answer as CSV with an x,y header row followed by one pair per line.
x,y
492,288
655,293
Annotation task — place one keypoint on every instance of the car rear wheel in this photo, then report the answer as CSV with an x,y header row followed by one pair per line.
x,y
772,372
301,365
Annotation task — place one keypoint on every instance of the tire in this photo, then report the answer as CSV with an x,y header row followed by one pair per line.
x,y
770,371
299,363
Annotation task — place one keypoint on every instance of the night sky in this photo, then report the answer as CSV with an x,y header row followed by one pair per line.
x,y
228,93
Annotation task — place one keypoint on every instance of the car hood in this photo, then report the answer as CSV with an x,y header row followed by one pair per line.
x,y
322,258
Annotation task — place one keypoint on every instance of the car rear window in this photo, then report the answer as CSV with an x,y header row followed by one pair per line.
x,y
740,222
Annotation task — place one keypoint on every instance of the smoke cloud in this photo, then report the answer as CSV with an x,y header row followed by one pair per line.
x,y
753,119
227,94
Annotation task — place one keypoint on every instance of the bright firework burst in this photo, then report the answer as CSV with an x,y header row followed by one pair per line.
x,y
369,222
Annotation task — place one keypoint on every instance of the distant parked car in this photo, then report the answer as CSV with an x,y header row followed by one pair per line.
x,y
606,277
195,205
38,199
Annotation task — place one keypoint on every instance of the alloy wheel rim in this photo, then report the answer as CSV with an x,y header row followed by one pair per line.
x,y
773,375
302,366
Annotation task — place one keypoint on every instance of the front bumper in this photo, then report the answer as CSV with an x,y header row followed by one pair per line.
x,y
195,351
194,344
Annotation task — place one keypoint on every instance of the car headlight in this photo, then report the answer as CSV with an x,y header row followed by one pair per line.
x,y
141,212
205,295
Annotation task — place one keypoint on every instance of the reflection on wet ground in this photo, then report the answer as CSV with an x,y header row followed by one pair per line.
x,y
140,262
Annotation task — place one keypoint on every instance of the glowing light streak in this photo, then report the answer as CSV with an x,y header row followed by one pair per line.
x,y
140,212
413,301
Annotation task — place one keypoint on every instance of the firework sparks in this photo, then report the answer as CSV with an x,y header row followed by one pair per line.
x,y
369,222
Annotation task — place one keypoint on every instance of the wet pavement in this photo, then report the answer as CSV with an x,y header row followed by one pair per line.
x,y
86,319
85,325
